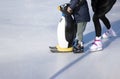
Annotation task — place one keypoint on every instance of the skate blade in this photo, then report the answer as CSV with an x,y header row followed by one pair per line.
x,y
52,47
57,51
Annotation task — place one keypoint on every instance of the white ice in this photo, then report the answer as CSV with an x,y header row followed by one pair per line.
x,y
28,27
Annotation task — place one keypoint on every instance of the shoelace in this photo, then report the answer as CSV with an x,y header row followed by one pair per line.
x,y
94,43
110,33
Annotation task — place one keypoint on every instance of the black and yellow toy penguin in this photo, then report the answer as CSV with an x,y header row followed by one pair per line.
x,y
66,31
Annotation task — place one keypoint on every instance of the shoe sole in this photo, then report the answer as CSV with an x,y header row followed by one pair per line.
x,y
95,50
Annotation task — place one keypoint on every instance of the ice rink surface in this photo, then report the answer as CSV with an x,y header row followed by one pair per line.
x,y
28,27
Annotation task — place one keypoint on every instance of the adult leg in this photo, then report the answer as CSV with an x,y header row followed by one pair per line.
x,y
97,25
105,21
110,32
97,44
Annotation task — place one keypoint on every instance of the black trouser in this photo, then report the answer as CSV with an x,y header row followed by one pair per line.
x,y
97,24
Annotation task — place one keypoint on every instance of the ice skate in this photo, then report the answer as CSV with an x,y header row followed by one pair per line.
x,y
78,47
97,45
109,33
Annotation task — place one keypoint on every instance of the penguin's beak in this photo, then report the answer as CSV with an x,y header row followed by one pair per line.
x,y
59,8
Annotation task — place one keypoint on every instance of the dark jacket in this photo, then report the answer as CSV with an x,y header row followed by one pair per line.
x,y
101,7
80,10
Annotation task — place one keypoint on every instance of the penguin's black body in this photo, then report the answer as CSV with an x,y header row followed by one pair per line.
x,y
70,25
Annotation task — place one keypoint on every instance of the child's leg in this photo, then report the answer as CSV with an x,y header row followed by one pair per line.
x,y
80,29
78,46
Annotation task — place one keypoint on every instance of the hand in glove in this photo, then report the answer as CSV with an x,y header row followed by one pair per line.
x,y
69,10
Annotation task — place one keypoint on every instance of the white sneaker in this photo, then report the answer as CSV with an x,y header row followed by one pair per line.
x,y
109,33
97,45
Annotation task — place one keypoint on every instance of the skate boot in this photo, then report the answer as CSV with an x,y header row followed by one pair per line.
x,y
97,45
78,48
109,33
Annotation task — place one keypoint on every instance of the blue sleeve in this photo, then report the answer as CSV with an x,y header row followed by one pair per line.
x,y
74,3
